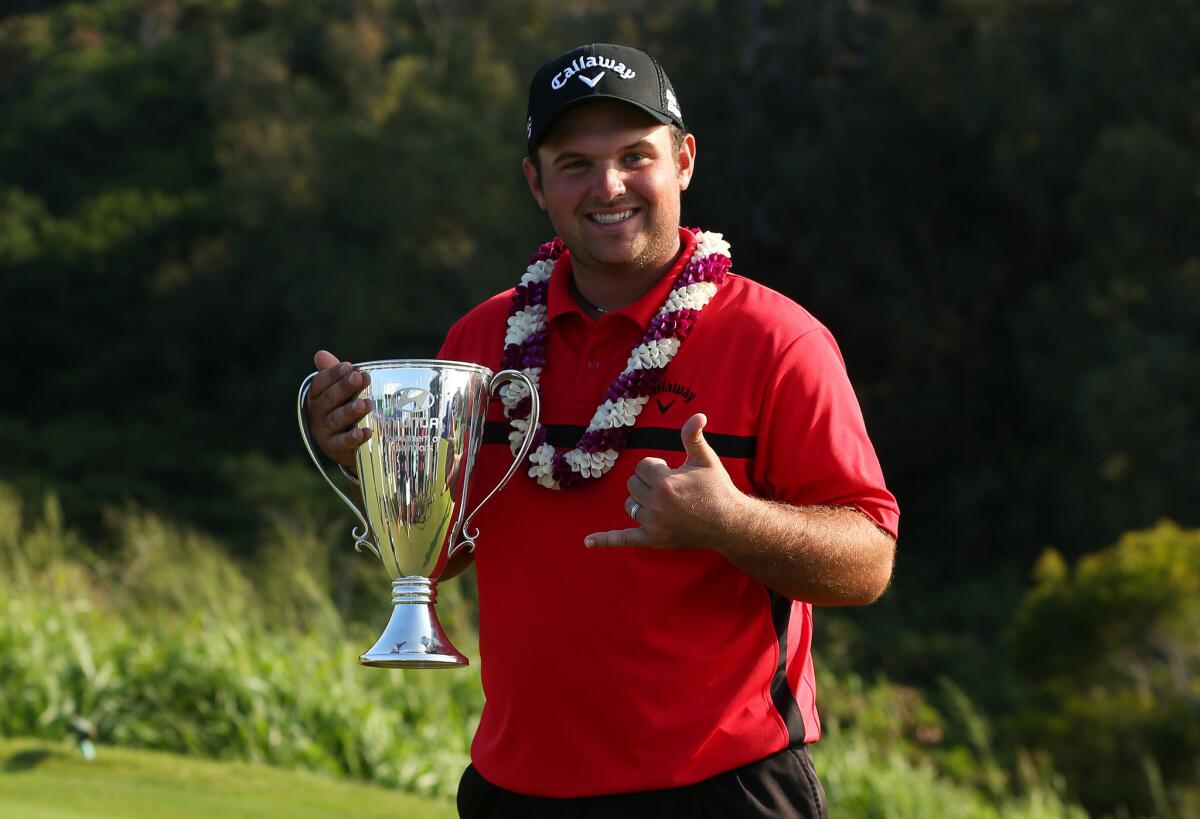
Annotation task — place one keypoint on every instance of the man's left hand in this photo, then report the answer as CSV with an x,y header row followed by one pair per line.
x,y
696,506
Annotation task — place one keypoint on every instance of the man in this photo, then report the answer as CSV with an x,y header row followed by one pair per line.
x,y
701,479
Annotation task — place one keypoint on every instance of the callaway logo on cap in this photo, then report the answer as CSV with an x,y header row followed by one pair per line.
x,y
599,71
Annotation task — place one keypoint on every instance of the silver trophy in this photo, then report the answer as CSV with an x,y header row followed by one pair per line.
x,y
426,423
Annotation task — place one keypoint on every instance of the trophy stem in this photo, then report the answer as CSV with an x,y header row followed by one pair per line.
x,y
414,589
413,638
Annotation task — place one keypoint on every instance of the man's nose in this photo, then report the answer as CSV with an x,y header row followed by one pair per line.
x,y
610,183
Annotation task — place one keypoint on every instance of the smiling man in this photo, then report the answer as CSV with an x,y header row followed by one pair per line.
x,y
701,479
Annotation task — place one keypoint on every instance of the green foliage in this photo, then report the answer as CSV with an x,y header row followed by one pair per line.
x,y
992,205
196,195
892,750
172,645
865,781
1111,671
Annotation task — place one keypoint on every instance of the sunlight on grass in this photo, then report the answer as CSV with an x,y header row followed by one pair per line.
x,y
45,780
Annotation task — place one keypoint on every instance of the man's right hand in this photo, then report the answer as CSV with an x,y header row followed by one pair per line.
x,y
332,409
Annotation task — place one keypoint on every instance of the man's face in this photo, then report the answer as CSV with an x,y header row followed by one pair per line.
x,y
610,182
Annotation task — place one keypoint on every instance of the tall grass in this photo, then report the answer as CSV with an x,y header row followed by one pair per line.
x,y
869,782
170,644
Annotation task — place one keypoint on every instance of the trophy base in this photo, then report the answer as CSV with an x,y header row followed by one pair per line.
x,y
413,639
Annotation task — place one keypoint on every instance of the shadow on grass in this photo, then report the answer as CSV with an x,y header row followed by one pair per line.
x,y
25,760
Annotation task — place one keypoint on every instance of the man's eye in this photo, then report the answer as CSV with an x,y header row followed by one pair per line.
x,y
634,157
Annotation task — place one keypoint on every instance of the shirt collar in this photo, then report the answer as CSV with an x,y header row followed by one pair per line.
x,y
559,301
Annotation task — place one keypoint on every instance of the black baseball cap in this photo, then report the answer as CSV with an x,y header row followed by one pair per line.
x,y
600,71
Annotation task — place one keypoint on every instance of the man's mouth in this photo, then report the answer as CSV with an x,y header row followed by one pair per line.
x,y
612,218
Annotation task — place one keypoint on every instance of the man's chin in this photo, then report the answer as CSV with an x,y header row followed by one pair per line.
x,y
616,252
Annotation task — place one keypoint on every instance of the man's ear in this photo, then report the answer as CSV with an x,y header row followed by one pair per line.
x,y
535,182
686,161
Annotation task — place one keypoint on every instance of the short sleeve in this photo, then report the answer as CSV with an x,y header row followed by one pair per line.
x,y
812,445
478,337
450,344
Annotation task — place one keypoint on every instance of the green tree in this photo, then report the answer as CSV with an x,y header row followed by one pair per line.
x,y
1110,667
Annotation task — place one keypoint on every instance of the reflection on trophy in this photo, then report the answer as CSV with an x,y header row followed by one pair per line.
x,y
426,423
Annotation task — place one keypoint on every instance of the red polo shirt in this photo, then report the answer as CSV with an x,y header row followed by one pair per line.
x,y
625,669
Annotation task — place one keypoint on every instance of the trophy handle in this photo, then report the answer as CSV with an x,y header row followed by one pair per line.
x,y
362,538
499,379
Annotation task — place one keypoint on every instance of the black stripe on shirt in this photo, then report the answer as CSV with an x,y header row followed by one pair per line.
x,y
781,693
666,439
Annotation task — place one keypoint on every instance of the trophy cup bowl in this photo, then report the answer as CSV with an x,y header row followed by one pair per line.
x,y
426,422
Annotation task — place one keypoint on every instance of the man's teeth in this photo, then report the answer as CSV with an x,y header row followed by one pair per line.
x,y
609,218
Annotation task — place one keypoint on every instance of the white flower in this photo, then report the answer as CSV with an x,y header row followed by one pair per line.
x,y
653,354
579,462
524,323
537,272
591,464
710,243
512,392
542,459
602,418
693,296
620,413
542,470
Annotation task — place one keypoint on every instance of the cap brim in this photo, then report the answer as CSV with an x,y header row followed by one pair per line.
x,y
536,138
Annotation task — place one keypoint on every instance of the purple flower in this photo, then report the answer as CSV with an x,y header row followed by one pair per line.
x,y
600,440
713,268
634,384
529,353
562,473
550,250
675,324
511,357
527,294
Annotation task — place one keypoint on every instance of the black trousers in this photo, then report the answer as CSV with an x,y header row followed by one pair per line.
x,y
780,786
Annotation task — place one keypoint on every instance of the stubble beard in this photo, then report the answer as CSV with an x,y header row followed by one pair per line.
x,y
659,242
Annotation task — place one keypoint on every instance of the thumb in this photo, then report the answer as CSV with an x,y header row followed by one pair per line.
x,y
325,359
699,453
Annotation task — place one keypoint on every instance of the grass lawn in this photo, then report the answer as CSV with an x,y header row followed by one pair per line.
x,y
47,780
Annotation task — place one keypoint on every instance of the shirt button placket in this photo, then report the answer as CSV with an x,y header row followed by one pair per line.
x,y
587,366
592,379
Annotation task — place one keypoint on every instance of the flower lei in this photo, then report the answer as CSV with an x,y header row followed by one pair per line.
x,y
605,437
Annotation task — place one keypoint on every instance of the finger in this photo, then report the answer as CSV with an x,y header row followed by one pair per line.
x,y
347,415
344,389
639,490
325,359
699,453
326,375
348,442
618,537
652,470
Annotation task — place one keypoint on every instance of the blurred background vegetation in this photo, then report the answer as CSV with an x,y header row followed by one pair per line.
x,y
993,205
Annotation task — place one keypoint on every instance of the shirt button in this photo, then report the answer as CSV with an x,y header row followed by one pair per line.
x,y
593,364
